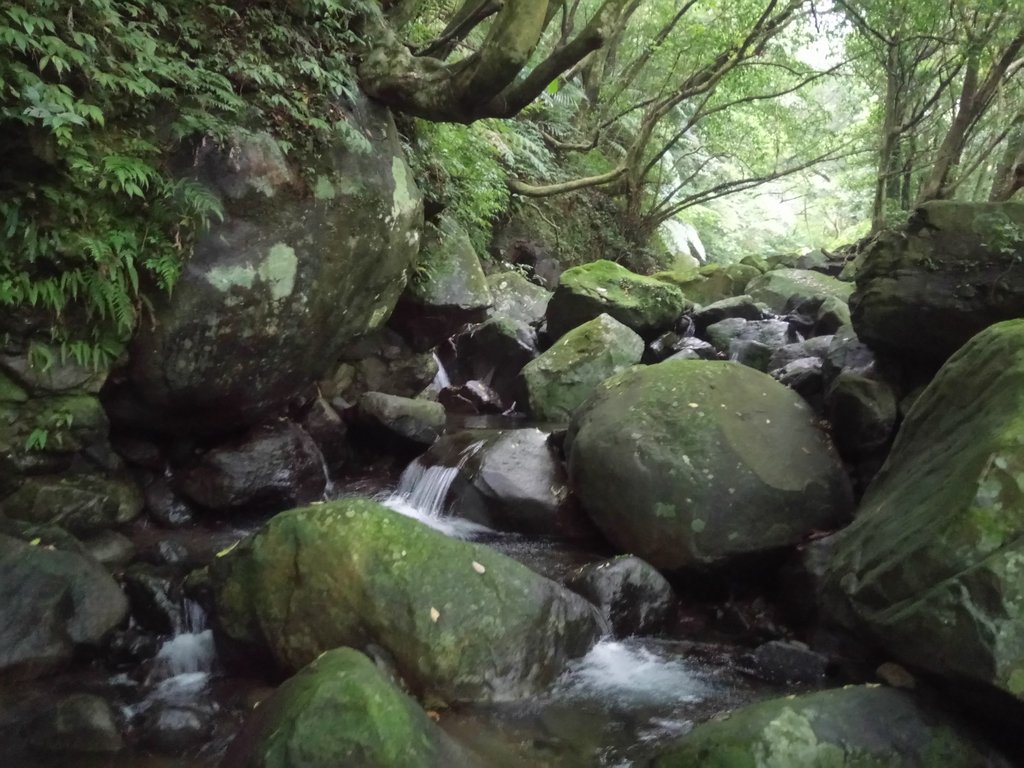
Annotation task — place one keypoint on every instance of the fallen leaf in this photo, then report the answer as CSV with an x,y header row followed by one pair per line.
x,y
35,542
478,568
434,614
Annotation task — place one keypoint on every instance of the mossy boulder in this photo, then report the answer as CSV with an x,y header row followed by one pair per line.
x,y
931,568
852,727
297,269
403,419
340,710
83,504
603,287
516,298
690,463
785,289
448,274
925,289
460,621
558,381
712,282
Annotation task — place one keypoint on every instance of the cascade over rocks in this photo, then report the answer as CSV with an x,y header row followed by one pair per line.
x,y
691,463
565,375
645,305
924,290
513,481
851,727
460,621
291,275
341,711
930,568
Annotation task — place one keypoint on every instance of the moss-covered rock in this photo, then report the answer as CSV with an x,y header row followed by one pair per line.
x,y
401,418
956,268
292,274
448,274
931,568
83,504
690,463
341,711
559,380
460,621
516,298
603,287
853,727
785,289
712,282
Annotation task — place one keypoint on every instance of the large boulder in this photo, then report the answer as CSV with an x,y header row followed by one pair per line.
x,y
558,381
603,287
53,603
492,352
931,566
712,282
955,269
341,711
460,621
400,420
852,727
785,289
272,467
691,463
294,272
632,596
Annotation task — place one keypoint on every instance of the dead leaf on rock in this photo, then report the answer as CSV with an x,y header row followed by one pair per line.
x,y
478,568
434,614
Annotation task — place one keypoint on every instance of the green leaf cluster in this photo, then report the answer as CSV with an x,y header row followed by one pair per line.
x,y
99,102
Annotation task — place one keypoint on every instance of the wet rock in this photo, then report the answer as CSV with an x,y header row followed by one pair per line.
x,y
322,423
165,506
155,600
804,377
862,412
930,567
558,381
341,711
473,397
509,480
52,603
717,460
139,452
494,353
924,290
167,552
695,349
847,353
712,282
785,289
267,282
462,623
80,723
517,299
772,334
84,504
817,348
130,647
643,304
632,596
743,307
401,418
175,729
379,362
787,662
852,727
274,466
110,548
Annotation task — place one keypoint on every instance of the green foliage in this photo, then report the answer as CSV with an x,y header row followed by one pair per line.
x,y
96,96
459,168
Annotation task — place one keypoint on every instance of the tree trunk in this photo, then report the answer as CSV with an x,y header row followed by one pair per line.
x,y
1009,175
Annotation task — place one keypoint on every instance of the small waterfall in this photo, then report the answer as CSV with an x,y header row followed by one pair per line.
x,y
441,379
329,487
189,652
422,492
